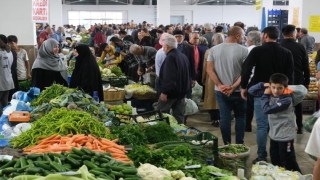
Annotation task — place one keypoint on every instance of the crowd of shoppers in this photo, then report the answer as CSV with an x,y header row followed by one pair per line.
x,y
225,60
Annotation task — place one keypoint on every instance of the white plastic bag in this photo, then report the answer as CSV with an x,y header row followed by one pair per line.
x,y
197,93
298,93
191,107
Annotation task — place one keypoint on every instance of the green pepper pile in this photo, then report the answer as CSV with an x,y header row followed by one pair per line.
x,y
62,122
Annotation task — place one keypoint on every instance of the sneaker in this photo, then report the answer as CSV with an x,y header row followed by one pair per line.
x,y
216,123
257,160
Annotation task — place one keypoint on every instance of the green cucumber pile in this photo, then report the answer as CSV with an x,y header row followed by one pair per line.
x,y
99,164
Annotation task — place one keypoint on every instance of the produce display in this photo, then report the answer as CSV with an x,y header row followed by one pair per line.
x,y
313,86
57,144
25,85
85,38
141,134
109,72
74,99
313,68
148,171
139,89
99,164
49,93
68,135
264,170
172,155
71,68
120,109
234,149
61,122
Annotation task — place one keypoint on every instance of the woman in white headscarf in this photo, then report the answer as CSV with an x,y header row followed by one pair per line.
x,y
48,68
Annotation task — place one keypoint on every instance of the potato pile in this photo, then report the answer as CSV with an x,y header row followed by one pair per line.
x,y
313,68
313,86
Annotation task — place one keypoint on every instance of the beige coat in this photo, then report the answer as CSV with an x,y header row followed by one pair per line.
x,y
210,101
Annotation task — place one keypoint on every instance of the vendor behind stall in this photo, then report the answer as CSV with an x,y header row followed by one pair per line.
x,y
86,75
48,68
109,55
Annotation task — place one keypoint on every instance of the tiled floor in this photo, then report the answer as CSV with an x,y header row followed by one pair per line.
x,y
202,122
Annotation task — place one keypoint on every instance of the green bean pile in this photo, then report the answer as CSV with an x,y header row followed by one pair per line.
x,y
63,122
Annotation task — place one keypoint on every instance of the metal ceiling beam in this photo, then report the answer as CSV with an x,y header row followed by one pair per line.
x,y
245,2
206,1
194,2
117,1
147,2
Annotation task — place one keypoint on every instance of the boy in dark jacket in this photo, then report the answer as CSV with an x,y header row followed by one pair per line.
x,y
276,101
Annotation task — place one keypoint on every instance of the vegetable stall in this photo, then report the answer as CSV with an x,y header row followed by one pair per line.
x,y
72,135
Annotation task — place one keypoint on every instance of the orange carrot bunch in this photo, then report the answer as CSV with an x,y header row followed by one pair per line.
x,y
57,144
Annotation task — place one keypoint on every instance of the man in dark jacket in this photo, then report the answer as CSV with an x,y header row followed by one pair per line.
x,y
174,80
187,50
267,59
301,66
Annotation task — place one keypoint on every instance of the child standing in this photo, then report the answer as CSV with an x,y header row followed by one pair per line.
x,y
23,66
277,103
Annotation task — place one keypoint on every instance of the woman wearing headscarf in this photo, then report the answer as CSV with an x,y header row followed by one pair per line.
x,y
48,68
86,74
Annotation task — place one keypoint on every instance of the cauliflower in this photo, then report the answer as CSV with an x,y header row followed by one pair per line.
x,y
177,174
151,172
188,178
140,119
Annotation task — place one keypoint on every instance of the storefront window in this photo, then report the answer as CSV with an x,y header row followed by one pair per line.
x,y
88,18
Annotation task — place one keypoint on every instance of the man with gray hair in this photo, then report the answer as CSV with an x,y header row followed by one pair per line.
x,y
146,58
307,41
208,33
174,80
253,39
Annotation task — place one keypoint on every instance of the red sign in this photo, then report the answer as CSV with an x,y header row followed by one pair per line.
x,y
40,10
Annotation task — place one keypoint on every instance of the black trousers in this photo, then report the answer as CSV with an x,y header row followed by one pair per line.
x,y
281,157
214,114
250,110
298,112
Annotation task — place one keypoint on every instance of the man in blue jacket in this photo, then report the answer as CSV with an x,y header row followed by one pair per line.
x,y
174,80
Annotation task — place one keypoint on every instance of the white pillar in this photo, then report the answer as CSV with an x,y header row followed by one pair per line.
x,y
310,8
163,12
55,13
17,20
